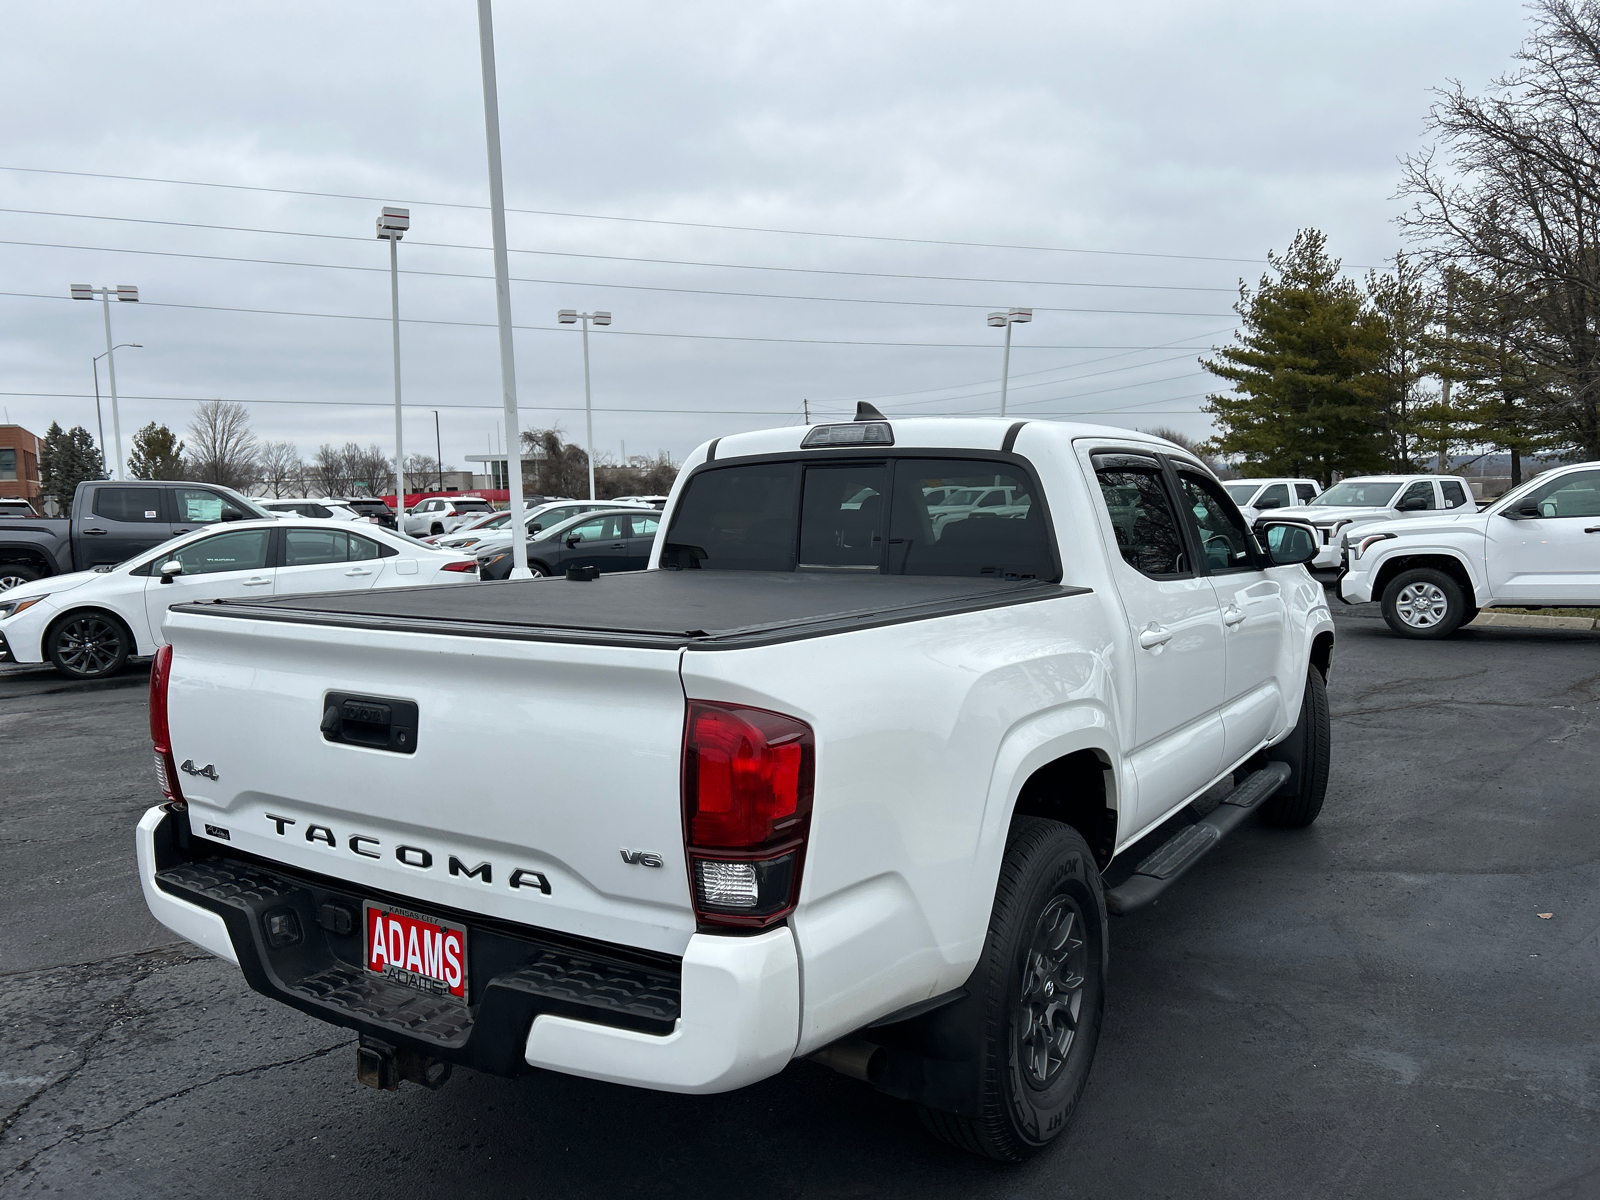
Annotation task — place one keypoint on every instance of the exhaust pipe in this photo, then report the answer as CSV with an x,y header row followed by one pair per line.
x,y
854,1057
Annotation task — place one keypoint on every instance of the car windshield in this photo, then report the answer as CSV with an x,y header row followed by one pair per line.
x,y
1357,495
1240,493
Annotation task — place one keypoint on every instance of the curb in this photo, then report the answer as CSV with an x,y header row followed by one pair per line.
x,y
1530,621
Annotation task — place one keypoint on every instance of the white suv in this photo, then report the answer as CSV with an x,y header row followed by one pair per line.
x,y
442,515
1361,501
1255,496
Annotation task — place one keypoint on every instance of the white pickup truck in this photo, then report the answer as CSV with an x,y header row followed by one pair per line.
x,y
1538,545
830,783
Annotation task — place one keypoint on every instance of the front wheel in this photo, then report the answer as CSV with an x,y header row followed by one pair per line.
x,y
88,645
1308,750
1040,987
1424,603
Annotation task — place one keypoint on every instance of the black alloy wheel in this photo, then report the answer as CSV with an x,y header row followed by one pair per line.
x,y
1036,997
88,646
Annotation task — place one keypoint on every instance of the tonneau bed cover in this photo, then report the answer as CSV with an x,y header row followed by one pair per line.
x,y
660,608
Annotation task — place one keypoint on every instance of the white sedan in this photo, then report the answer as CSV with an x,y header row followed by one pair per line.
x,y
90,622
322,510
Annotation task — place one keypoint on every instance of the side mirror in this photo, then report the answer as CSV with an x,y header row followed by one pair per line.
x,y
169,569
1414,504
232,514
1288,544
1272,503
573,541
535,527
1529,510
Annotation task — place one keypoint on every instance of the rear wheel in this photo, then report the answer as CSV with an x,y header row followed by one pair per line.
x,y
1308,751
88,645
1424,603
14,575
1041,991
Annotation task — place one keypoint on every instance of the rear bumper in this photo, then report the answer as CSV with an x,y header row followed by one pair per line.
x,y
726,1015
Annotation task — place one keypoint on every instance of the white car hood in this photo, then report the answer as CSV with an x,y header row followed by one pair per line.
x,y
54,585
1328,514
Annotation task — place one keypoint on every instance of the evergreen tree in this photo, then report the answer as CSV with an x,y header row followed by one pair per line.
x,y
66,459
1302,404
157,454
1402,306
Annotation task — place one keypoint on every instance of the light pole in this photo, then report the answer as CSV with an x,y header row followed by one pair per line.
x,y
438,450
502,290
392,226
1016,316
570,316
95,363
123,291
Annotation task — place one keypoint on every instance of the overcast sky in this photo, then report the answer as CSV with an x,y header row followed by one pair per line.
x,y
1208,132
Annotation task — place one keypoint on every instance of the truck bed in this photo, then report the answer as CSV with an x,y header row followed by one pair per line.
x,y
658,609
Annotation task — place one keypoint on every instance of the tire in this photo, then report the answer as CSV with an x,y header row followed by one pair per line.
x,y
88,645
15,574
435,530
538,570
1424,603
1308,751
1047,938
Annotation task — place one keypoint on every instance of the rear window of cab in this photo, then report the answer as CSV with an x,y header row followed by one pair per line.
x,y
891,516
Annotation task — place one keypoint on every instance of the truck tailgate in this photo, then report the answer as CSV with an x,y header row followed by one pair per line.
x,y
548,762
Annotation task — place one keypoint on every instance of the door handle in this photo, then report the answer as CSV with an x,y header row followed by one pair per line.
x,y
257,582
1154,635
1232,615
618,545
357,571
1593,529
95,532
189,530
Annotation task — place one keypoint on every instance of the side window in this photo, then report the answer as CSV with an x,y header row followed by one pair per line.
x,y
128,504
737,519
589,531
315,510
242,550
1422,490
197,506
1142,516
1571,496
1306,491
362,549
1224,540
1276,496
841,516
308,547
645,526
1454,494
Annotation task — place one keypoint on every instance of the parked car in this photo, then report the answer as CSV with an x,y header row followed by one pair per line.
x,y
88,623
12,506
651,501
829,783
443,514
112,520
323,509
371,506
539,518
1256,496
610,540
1351,503
1536,546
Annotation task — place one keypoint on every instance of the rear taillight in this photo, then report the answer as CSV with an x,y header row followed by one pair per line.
x,y
468,564
160,731
747,782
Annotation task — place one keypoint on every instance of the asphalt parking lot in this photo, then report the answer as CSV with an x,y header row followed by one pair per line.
x,y
1373,1007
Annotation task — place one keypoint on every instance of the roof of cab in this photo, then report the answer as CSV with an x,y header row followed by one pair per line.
x,y
930,433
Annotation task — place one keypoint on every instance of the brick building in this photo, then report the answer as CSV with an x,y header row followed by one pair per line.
x,y
19,464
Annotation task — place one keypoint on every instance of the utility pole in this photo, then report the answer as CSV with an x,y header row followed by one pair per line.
x,y
392,226
569,316
123,291
1016,316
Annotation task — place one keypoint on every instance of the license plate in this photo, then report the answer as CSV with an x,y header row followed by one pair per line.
x,y
419,951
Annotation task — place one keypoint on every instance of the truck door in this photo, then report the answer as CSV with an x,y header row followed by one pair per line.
x,y
1175,628
119,523
193,507
1552,558
1254,615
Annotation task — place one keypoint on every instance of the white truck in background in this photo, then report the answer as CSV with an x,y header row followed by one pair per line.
x,y
825,781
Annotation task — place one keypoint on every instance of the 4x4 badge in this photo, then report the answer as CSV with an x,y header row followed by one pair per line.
x,y
188,768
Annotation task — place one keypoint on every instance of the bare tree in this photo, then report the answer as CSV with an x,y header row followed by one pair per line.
x,y
327,472
426,470
282,472
371,468
1519,200
221,448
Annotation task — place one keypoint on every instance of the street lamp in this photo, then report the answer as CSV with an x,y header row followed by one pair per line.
x,y
1016,316
502,286
95,363
571,316
123,291
392,226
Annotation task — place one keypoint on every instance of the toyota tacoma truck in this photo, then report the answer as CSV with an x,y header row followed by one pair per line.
x,y
837,780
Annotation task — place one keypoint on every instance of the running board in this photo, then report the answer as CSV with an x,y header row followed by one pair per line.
x,y
1167,863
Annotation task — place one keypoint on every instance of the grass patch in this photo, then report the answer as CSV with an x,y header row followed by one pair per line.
x,y
1592,613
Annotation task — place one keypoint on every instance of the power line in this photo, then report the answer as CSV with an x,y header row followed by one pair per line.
x,y
612,332
538,212
612,258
